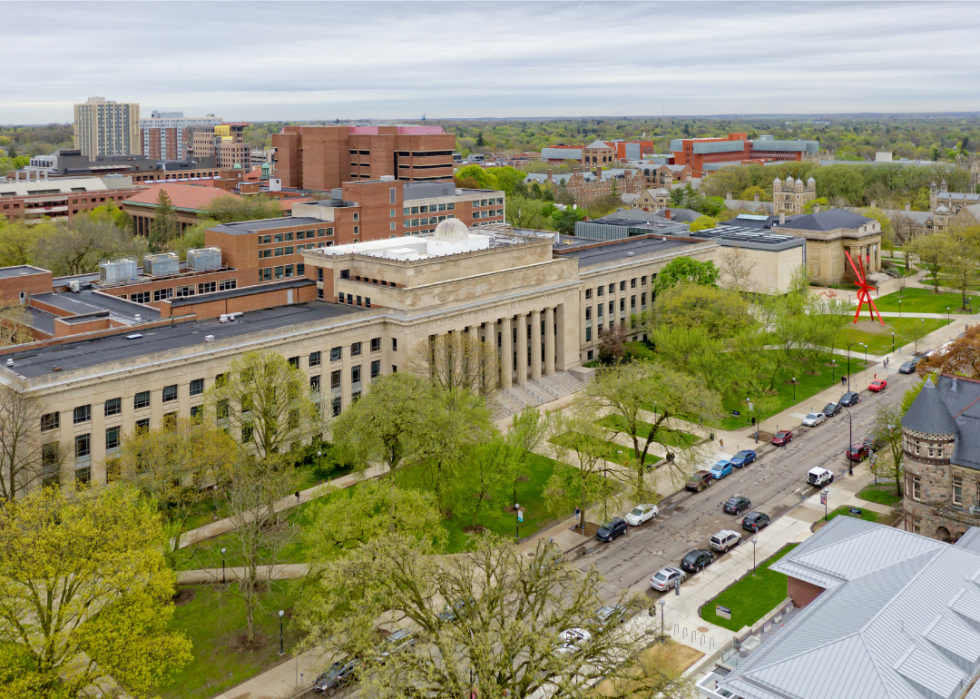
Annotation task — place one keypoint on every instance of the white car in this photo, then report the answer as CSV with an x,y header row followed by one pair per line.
x,y
640,514
664,578
572,640
814,419
724,540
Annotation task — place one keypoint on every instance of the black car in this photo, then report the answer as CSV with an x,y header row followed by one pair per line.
x,y
872,443
697,560
908,367
849,399
340,674
831,409
754,521
737,504
611,529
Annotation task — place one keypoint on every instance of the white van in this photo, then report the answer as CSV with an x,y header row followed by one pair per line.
x,y
819,477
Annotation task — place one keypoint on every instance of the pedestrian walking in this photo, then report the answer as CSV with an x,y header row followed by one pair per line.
x,y
578,512
297,496
721,443
843,381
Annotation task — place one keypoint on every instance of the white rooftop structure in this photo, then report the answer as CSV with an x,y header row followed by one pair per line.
x,y
451,237
899,619
67,185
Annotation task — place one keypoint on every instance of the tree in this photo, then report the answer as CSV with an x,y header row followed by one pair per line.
x,y
814,203
679,401
736,270
960,356
528,431
720,312
843,181
15,323
175,464
164,227
77,246
267,401
262,527
931,251
701,223
887,230
535,213
356,516
22,456
481,483
457,360
918,331
85,596
962,257
750,193
612,344
565,219
887,430
687,269
904,228
20,241
227,209
490,619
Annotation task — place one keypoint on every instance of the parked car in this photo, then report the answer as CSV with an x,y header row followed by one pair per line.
x,y
831,409
721,469
550,556
453,611
572,640
857,452
608,616
850,398
872,443
782,438
696,560
878,385
664,578
640,514
610,530
754,521
813,419
724,540
819,477
908,367
340,674
737,504
699,481
743,458
394,643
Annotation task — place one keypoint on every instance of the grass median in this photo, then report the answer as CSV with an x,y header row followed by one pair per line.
x,y
752,597
918,300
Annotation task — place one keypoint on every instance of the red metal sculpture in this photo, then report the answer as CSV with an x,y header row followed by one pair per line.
x,y
864,291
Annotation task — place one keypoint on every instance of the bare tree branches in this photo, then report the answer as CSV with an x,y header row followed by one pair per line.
x,y
457,361
22,455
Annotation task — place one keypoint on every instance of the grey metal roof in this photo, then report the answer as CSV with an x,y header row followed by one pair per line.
x,y
826,221
246,227
962,399
598,144
895,622
928,413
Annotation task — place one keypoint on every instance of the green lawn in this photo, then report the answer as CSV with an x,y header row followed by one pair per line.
x,y
752,597
916,300
214,620
866,515
681,440
610,451
879,340
882,494
806,385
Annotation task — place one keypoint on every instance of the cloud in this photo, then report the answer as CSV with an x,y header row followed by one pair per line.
x,y
325,60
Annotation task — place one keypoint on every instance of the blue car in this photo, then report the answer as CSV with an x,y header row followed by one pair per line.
x,y
743,458
721,469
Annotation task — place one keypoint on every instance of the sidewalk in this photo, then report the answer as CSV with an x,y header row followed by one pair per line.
x,y
205,576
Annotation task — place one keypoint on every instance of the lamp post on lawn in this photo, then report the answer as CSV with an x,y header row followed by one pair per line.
x,y
223,551
517,521
849,361
794,389
900,308
755,540
282,651
947,315
893,341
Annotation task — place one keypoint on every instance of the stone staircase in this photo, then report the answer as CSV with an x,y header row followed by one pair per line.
x,y
509,401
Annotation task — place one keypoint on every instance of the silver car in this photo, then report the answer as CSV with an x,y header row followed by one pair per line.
x,y
664,578
814,419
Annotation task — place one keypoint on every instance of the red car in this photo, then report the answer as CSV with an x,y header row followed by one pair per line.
x,y
782,438
878,386
857,452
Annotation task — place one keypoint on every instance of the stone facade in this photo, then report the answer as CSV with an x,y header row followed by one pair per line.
x,y
791,196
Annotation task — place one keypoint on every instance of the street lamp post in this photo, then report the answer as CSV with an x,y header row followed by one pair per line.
x,y
223,550
850,440
662,603
794,389
900,308
947,315
849,361
755,540
517,521
282,651
893,341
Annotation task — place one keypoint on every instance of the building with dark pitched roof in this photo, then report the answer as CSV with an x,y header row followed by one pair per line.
x,y
941,443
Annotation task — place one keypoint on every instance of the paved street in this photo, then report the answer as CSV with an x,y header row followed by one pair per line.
x,y
774,484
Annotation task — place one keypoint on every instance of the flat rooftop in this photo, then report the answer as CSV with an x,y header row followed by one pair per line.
x,y
756,238
621,250
20,271
84,354
87,301
246,227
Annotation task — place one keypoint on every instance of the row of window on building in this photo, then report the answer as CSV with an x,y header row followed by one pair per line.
x,y
282,272
288,236
183,291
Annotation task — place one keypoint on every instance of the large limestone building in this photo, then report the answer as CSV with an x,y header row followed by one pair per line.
x,y
791,196
941,444
829,234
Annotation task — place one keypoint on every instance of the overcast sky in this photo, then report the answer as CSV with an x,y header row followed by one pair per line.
x,y
317,60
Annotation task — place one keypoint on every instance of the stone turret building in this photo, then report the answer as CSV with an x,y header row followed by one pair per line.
x,y
790,197
941,443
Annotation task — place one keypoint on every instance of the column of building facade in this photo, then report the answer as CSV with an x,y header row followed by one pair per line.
x,y
536,351
560,337
522,349
549,341
506,353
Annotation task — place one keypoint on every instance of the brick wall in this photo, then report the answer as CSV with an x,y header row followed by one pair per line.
x,y
802,592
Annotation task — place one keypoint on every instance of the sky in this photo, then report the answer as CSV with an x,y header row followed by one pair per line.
x,y
263,61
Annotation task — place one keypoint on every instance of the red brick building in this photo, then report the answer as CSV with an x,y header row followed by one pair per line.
x,y
709,154
187,199
324,157
34,200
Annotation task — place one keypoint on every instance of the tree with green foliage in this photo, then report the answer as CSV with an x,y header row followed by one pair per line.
x,y
932,251
687,269
565,219
711,206
750,193
843,181
85,596
77,246
524,212
164,227
889,458
962,259
527,433
227,209
721,313
809,207
701,223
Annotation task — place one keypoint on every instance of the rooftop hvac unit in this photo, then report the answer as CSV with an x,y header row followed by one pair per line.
x,y
117,271
204,259
161,264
